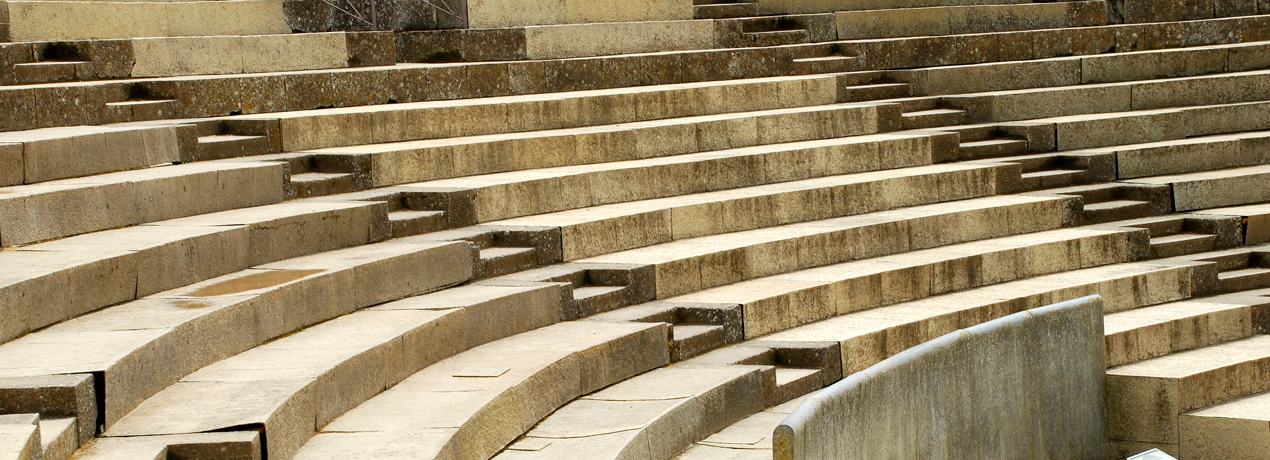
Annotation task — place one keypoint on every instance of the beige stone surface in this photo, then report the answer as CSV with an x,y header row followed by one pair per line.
x,y
11,166
55,209
1236,430
515,194
1145,333
234,445
170,56
869,336
599,39
654,415
322,128
833,6
60,153
146,345
602,229
65,20
1258,225
699,263
1144,399
427,160
517,13
20,441
748,439
448,411
1230,187
1192,155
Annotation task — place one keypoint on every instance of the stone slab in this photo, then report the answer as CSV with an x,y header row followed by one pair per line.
x,y
65,20
1145,333
60,153
1257,226
517,13
170,56
66,396
1230,187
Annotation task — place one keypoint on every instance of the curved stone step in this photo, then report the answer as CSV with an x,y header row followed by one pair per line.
x,y
1146,333
1213,189
791,300
53,281
516,194
1234,430
973,18
869,336
474,404
1146,398
313,129
588,232
694,264
652,416
68,207
139,348
49,154
321,372
415,161
748,439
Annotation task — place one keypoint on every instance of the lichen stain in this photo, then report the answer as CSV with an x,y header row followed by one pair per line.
x,y
259,280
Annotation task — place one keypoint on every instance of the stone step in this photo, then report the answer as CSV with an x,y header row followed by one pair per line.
x,y
236,444
502,261
991,148
141,109
193,326
1082,101
1182,244
876,91
313,129
1053,178
869,336
789,300
955,20
693,264
123,264
481,400
68,207
239,54
776,37
59,437
311,184
470,200
45,20
222,146
50,154
833,6
1149,332
268,385
415,161
1244,278
1227,431
1089,69
50,71
593,231
748,439
724,10
654,415
409,223
934,118
1214,189
824,64
20,437
690,340
1111,211
1144,399
1189,155
1256,221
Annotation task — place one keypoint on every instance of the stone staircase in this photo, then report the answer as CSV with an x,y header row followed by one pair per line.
x,y
612,236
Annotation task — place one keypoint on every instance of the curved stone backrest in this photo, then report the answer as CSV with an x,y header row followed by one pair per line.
x,y
1025,386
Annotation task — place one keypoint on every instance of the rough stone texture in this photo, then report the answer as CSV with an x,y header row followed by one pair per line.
x,y
895,409
483,14
158,57
366,49
51,21
53,396
578,40
12,171
235,445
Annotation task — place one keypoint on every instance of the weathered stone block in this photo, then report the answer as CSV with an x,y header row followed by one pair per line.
x,y
70,395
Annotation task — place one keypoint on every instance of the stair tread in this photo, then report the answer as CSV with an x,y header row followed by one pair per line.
x,y
1052,172
1251,271
215,138
790,374
49,64
1181,237
592,291
826,59
139,102
1114,204
489,253
992,142
411,214
933,112
1189,363
686,331
316,176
